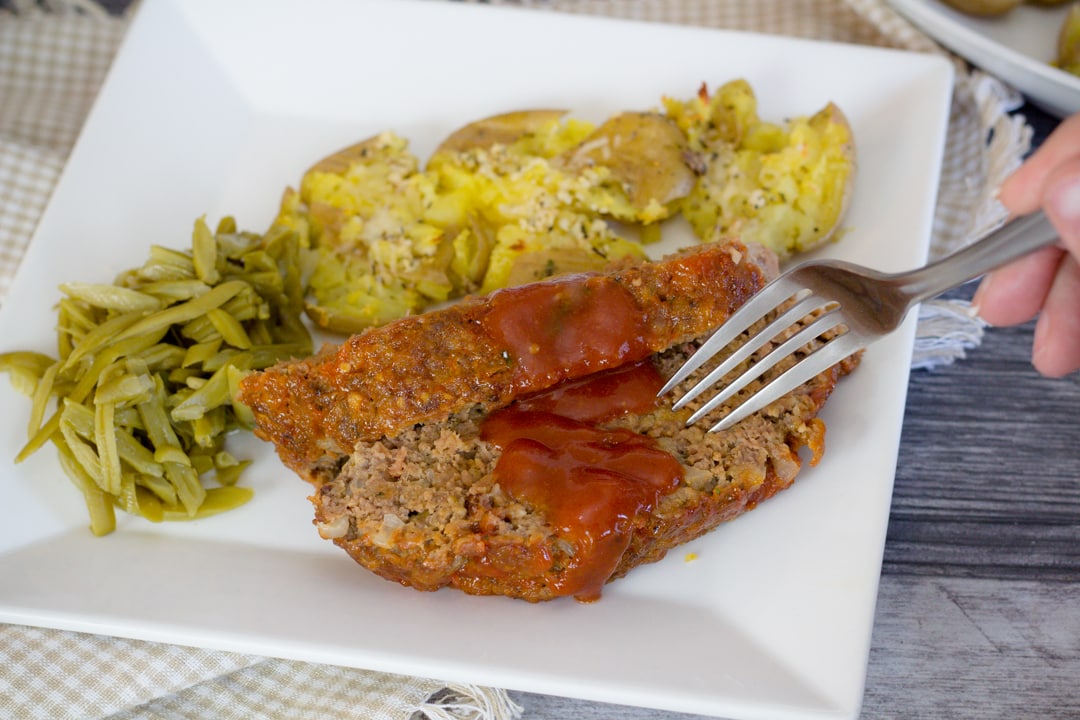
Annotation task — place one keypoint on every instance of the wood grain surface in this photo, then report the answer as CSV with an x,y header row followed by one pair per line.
x,y
978,611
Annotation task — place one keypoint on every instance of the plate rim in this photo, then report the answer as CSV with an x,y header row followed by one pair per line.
x,y
92,624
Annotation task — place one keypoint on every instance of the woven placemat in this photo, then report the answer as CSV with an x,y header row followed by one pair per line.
x,y
54,57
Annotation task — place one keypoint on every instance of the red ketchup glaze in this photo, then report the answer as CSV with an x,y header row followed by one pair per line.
x,y
590,482
567,327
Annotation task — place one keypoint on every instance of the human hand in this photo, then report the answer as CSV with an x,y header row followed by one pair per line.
x,y
1047,282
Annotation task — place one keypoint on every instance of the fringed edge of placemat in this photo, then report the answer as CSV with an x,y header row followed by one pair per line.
x,y
468,702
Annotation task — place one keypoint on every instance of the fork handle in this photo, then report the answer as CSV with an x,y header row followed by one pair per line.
x,y
1009,242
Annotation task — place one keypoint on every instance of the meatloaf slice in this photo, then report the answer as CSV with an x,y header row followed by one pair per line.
x,y
424,368
425,507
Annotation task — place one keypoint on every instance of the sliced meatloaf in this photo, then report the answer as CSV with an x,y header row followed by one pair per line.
x,y
426,508
482,351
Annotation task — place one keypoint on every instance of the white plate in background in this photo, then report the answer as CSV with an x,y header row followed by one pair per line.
x,y
1016,47
213,108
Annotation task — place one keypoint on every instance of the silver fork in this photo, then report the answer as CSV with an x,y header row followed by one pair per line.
x,y
854,303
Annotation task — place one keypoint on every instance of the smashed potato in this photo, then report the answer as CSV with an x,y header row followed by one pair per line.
x,y
984,8
525,195
783,186
1068,46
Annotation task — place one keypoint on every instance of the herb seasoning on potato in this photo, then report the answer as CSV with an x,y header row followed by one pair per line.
x,y
525,195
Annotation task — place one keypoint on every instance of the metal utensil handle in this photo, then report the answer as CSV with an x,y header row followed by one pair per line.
x,y
1010,242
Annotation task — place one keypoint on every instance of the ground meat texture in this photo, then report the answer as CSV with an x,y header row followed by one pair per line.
x,y
424,368
423,508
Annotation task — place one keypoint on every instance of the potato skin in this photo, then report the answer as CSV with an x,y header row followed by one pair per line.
x,y
646,153
502,129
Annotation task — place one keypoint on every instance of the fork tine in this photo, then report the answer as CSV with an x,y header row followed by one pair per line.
x,y
826,321
750,312
799,310
816,362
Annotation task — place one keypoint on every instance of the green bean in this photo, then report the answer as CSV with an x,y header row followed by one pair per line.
x,y
175,290
125,496
210,425
109,355
105,440
162,356
99,337
171,453
200,331
147,504
125,390
76,318
184,312
25,369
111,297
132,452
148,371
156,420
167,264
180,376
228,476
258,357
159,486
198,353
46,432
188,488
204,253
83,453
39,401
98,504
214,393
260,334
245,418
229,328
226,225
236,245
202,462
127,418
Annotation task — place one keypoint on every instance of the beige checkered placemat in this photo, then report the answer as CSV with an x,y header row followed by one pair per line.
x,y
51,66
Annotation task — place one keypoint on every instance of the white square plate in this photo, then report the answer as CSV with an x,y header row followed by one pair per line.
x,y
214,108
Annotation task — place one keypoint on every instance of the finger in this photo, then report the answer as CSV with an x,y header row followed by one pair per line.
x,y
1023,191
1056,346
1014,293
1062,202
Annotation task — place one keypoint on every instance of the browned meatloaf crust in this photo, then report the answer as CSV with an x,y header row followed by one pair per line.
x,y
426,367
424,509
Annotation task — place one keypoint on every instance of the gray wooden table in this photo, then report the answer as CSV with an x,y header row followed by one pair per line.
x,y
978,611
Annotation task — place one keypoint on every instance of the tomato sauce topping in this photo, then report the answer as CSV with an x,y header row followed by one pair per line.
x,y
591,482
567,327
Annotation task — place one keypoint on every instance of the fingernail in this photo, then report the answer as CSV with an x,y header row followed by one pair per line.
x,y
1038,343
976,299
1064,201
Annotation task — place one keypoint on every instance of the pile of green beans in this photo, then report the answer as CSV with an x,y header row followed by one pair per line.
x,y
142,395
